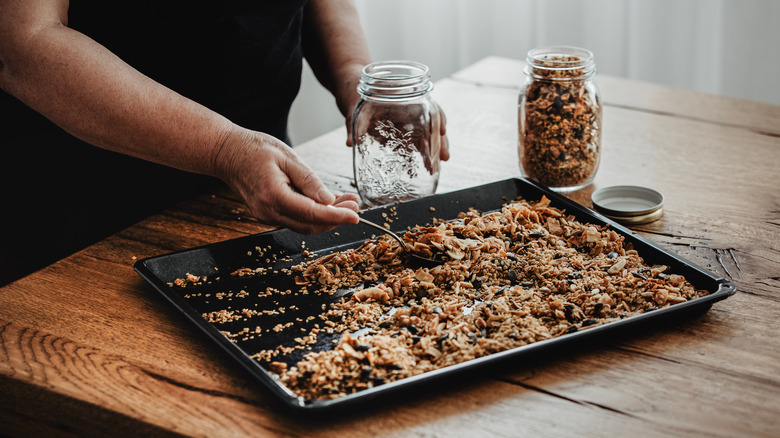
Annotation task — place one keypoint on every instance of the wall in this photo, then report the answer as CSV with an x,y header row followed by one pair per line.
x,y
726,47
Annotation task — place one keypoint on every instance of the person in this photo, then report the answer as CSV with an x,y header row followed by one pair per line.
x,y
111,111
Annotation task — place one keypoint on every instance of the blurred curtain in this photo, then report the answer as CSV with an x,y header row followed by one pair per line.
x,y
726,47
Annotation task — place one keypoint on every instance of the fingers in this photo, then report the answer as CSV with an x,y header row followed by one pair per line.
x,y
444,154
349,131
352,204
304,215
348,197
305,180
281,190
315,208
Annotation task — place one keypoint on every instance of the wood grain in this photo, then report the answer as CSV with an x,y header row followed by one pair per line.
x,y
88,349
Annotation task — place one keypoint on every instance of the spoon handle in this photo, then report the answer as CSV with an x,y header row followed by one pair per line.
x,y
386,231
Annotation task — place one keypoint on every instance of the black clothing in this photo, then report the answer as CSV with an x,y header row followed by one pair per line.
x,y
242,59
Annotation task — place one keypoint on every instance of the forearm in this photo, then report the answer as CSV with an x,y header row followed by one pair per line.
x,y
335,47
94,95
91,93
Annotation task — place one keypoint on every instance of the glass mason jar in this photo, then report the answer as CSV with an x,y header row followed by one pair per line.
x,y
396,133
560,118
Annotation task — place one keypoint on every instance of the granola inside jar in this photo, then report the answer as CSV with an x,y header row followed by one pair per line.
x,y
560,118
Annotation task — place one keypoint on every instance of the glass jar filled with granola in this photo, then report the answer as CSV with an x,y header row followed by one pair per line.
x,y
560,118
395,133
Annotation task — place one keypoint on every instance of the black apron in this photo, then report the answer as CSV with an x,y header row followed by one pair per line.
x,y
242,59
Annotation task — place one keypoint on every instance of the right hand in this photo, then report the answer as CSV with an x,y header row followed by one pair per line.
x,y
278,187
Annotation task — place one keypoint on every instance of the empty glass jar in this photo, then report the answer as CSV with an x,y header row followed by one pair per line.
x,y
395,133
560,118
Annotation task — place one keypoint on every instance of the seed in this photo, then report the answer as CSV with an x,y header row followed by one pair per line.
x,y
638,275
413,329
568,311
612,255
362,347
476,283
588,321
557,104
437,310
443,338
662,276
535,235
574,276
512,275
571,329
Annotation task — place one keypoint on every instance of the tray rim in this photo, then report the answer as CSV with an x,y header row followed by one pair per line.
x,y
725,288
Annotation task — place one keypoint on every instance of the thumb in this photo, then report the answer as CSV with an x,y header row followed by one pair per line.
x,y
307,182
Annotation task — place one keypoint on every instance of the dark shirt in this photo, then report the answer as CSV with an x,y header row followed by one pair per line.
x,y
242,59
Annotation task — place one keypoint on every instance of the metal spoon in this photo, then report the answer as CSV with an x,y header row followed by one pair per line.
x,y
424,261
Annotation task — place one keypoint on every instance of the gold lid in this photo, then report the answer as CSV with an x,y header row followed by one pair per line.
x,y
630,205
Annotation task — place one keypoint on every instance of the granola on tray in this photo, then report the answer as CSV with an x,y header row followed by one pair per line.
x,y
509,278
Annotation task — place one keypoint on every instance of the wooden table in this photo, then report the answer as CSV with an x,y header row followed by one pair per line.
x,y
87,348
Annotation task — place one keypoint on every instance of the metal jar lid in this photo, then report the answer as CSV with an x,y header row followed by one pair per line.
x,y
630,205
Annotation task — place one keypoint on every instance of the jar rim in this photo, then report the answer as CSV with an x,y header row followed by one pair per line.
x,y
395,79
560,63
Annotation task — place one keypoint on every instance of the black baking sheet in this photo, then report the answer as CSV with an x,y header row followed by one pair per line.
x,y
275,250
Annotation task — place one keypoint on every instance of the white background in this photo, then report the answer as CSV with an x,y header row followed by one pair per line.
x,y
725,47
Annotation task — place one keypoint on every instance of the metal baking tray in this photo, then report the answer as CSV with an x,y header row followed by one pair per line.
x,y
284,248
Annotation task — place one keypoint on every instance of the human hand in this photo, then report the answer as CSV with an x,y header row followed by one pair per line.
x,y
444,154
278,187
